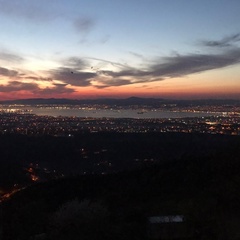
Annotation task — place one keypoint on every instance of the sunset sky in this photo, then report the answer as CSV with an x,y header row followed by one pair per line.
x,y
181,49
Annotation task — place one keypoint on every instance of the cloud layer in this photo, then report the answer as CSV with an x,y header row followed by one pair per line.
x,y
171,67
76,72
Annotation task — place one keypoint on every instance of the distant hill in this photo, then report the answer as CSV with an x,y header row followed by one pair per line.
x,y
110,101
122,102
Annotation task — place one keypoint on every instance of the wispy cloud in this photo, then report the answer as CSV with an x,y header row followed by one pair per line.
x,y
113,83
187,64
137,55
56,89
30,10
18,86
8,73
84,24
170,67
105,39
114,64
15,86
70,76
76,63
225,42
9,57
37,78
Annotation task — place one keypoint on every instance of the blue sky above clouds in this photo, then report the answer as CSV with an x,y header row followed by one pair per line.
x,y
70,47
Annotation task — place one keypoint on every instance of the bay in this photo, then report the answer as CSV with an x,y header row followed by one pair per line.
x,y
123,113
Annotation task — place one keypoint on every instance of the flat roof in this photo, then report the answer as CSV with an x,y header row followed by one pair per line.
x,y
166,219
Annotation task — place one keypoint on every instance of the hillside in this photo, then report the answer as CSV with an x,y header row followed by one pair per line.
x,y
100,153
203,188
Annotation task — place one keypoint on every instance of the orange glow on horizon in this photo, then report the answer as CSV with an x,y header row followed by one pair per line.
x,y
210,84
119,92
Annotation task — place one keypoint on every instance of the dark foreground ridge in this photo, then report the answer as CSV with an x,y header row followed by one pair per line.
x,y
198,179
26,159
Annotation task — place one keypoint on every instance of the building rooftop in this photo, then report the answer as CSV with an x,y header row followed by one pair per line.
x,y
166,219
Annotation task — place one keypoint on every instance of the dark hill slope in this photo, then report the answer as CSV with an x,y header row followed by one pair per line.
x,y
104,152
204,189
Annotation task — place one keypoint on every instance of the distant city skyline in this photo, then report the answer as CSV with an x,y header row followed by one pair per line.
x,y
177,49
